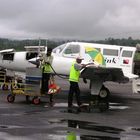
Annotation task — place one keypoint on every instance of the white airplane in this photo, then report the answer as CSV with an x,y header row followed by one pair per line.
x,y
111,63
18,61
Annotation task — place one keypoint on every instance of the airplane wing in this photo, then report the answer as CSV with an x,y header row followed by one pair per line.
x,y
104,73
7,51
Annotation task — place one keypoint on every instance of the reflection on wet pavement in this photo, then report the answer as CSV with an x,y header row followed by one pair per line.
x,y
94,127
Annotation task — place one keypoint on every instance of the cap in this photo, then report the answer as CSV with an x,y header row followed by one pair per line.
x,y
79,58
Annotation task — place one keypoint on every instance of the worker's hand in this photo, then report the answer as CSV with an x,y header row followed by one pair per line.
x,y
84,65
91,63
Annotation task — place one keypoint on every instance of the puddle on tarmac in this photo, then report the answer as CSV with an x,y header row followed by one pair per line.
x,y
23,113
9,126
136,129
88,137
99,132
55,120
112,106
33,112
115,106
93,126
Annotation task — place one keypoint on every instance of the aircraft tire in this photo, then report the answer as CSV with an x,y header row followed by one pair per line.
x,y
104,92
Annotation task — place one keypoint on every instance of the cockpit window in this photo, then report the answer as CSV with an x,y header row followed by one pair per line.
x,y
59,48
30,55
72,49
8,56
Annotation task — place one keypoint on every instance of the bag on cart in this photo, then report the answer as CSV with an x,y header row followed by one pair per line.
x,y
53,87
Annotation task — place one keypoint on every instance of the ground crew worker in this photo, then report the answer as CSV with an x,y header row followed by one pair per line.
x,y
74,79
71,136
46,73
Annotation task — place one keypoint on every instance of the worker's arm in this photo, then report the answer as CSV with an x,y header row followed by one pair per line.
x,y
49,60
78,66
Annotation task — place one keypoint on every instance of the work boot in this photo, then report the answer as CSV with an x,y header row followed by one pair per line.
x,y
52,103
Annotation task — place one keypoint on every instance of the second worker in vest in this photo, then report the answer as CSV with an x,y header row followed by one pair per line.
x,y
74,79
46,74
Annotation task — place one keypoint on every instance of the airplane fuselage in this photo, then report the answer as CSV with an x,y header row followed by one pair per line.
x,y
63,56
15,61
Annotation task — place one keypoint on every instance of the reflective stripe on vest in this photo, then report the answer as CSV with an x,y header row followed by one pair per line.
x,y
74,74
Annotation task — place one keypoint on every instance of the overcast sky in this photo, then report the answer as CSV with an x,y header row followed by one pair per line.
x,y
75,19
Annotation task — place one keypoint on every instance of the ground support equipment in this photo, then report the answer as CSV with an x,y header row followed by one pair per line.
x,y
99,93
31,87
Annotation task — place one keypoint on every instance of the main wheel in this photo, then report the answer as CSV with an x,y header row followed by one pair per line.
x,y
104,92
10,98
36,100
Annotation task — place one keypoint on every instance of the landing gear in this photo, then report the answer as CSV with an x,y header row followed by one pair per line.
x,y
100,101
104,92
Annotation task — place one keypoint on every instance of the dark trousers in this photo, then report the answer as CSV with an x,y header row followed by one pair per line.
x,y
74,88
45,85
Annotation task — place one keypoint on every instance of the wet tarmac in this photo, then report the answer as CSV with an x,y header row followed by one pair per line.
x,y
22,121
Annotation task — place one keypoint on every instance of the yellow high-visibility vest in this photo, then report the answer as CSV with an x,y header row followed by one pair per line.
x,y
46,68
71,136
74,74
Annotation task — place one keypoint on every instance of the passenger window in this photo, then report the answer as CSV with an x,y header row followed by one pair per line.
x,y
31,55
111,52
9,56
127,54
72,49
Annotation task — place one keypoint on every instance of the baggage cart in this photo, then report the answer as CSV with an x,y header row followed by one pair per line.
x,y
31,87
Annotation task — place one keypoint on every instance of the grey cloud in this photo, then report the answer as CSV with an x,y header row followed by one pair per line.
x,y
81,19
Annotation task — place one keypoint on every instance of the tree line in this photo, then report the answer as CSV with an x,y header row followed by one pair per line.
x,y
18,45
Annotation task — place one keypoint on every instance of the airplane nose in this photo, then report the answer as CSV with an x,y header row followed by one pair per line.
x,y
34,61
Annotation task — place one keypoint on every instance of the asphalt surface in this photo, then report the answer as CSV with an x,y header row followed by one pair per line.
x,y
22,121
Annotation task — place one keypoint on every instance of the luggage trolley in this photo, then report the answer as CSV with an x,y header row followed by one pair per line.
x,y
30,87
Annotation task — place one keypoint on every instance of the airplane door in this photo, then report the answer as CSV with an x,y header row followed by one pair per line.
x,y
126,59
